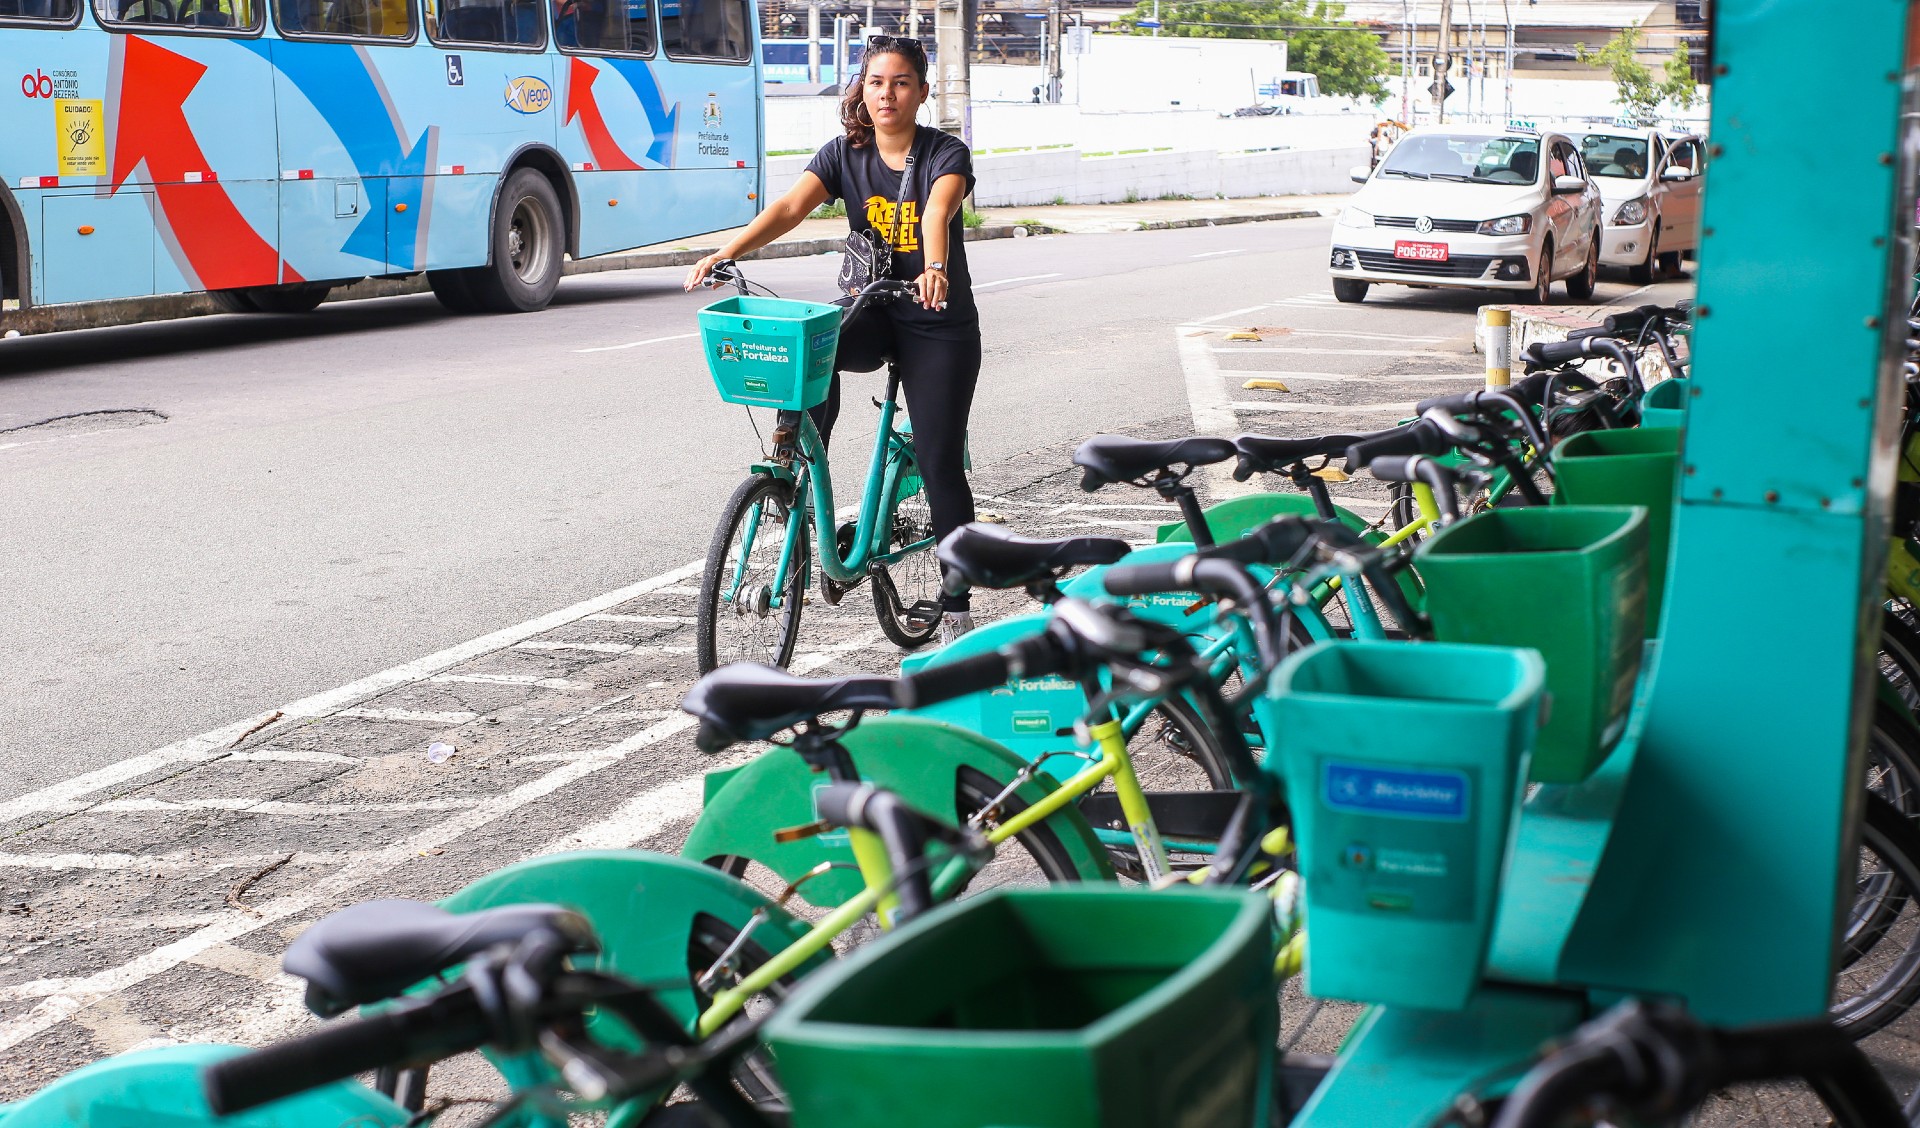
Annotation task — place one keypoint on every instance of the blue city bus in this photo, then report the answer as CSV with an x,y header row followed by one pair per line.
x,y
268,150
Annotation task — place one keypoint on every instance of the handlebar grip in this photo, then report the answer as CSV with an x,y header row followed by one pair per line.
x,y
1396,467
1145,579
1276,542
342,1049
1456,404
1416,438
1559,352
944,681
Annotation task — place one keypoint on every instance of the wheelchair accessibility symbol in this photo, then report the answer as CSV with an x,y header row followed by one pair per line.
x,y
455,75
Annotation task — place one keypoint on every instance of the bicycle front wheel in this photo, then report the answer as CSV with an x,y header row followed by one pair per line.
x,y
748,612
1880,952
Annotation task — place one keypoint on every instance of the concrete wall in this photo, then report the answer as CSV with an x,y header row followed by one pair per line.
x,y
808,123
1054,175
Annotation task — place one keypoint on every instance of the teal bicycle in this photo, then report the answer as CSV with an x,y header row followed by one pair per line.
x,y
767,351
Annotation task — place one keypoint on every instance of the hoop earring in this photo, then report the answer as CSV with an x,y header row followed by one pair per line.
x,y
860,109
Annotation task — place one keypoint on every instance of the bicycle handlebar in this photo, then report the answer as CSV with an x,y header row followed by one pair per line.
x,y
442,1026
1418,437
1444,481
1212,573
944,681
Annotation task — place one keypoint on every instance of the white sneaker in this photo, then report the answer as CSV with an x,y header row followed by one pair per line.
x,y
953,624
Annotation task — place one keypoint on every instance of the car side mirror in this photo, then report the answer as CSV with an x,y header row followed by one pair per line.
x,y
1563,185
1676,173
1358,173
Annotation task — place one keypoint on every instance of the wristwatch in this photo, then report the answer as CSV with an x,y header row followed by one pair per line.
x,y
937,266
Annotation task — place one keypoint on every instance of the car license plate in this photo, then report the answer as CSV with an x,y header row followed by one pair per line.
x,y
1421,252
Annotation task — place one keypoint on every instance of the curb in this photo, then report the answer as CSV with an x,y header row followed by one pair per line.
x,y
173,307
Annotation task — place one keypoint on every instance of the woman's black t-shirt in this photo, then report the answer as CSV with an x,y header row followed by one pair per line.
x,y
872,193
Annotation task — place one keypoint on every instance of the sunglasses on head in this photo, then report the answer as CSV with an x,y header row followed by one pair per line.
x,y
901,43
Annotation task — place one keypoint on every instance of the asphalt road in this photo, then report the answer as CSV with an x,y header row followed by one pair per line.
x,y
285,504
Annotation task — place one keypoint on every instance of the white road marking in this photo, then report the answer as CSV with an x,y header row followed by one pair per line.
x,y
184,862
637,344
277,807
63,998
513,679
596,647
1213,254
1283,375
1208,322
1360,336
1326,408
640,618
1011,281
1373,504
1207,400
213,745
1311,351
455,717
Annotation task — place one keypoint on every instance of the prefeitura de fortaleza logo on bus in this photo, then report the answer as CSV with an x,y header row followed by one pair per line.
x,y
528,95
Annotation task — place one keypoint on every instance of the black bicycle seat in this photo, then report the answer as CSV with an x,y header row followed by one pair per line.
x,y
988,556
1116,458
377,949
1277,453
749,701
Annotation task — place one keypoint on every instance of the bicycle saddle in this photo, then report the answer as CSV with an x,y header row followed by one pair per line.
x,y
1116,458
1277,453
749,701
988,556
377,949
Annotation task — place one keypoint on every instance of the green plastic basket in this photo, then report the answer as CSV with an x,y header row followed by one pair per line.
x,y
1567,580
770,352
1627,467
1665,404
1404,764
1058,1007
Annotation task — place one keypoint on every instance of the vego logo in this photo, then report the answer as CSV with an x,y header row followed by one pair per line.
x,y
36,85
528,95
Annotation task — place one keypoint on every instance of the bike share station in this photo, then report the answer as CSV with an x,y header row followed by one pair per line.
x,y
1628,767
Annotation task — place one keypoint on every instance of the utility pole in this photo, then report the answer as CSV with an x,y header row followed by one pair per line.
x,y
1442,60
1056,31
1507,72
1406,63
952,44
842,34
913,19
813,42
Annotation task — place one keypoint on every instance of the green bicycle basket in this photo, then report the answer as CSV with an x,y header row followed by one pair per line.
x,y
770,352
1567,580
1665,404
1092,1007
1640,466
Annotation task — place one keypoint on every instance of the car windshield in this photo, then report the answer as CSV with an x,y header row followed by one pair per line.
x,y
1474,160
1609,154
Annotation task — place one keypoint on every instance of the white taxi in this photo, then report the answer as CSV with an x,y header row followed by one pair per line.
x,y
1651,185
1471,207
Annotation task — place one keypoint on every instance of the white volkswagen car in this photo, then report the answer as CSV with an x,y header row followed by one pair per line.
x,y
1471,207
1651,185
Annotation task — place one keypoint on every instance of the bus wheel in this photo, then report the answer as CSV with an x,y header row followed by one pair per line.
x,y
450,286
233,301
525,267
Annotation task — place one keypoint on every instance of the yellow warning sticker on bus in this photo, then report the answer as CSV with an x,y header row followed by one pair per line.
x,y
83,140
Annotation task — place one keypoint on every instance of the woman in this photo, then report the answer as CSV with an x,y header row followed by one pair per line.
x,y
935,338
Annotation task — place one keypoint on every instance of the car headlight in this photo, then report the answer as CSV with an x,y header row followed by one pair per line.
x,y
1630,213
1354,217
1507,225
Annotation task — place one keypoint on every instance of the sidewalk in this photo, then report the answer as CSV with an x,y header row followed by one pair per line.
x,y
1553,322
812,237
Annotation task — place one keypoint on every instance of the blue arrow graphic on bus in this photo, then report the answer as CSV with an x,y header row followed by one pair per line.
x,y
654,102
344,90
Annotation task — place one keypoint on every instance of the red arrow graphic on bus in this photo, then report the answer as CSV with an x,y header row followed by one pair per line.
x,y
607,153
220,246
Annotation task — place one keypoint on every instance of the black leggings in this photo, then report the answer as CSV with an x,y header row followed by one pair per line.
x,y
938,376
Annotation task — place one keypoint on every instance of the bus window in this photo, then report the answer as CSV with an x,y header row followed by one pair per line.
x,y
622,27
709,29
200,15
370,19
508,23
40,11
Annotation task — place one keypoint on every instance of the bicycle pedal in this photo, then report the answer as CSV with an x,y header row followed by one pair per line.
x,y
924,613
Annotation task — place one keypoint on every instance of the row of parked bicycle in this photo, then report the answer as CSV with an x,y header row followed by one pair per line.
x,y
1061,879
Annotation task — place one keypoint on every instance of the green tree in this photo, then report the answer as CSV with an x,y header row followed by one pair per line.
x,y
1347,58
1640,93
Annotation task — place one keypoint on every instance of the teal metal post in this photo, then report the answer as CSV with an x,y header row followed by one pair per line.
x,y
1732,858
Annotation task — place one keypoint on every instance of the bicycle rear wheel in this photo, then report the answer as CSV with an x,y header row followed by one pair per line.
x,y
1880,957
738,620
906,593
